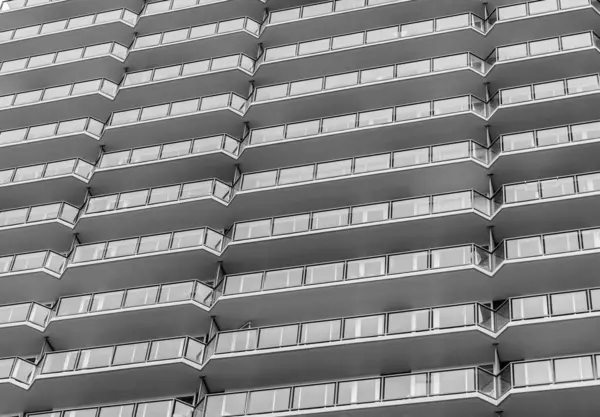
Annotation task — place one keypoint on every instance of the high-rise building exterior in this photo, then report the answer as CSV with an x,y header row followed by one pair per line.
x,y
215,208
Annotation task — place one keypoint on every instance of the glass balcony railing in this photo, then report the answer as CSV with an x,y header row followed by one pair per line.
x,y
529,374
368,76
544,91
27,262
163,408
160,195
369,119
534,139
196,32
351,328
148,353
121,15
546,189
88,126
169,151
173,5
189,69
17,369
548,244
101,86
9,5
352,393
229,101
351,216
370,37
356,270
32,313
56,58
534,8
543,47
30,215
385,162
146,245
77,167
155,295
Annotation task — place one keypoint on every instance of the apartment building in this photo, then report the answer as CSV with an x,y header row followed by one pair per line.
x,y
285,208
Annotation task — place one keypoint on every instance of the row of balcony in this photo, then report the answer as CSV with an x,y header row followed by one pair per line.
x,y
180,360
510,157
215,204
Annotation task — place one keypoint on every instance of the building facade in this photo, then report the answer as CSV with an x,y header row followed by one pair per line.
x,y
215,208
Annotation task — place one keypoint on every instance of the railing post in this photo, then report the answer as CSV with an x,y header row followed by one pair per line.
x,y
491,240
488,136
490,185
496,370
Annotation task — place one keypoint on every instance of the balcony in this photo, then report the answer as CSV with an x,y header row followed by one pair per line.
x,y
37,184
96,61
152,312
343,136
516,108
53,141
366,89
534,202
326,19
150,369
21,326
30,276
19,13
375,47
76,32
195,42
103,266
158,16
155,210
37,227
350,347
540,153
183,81
150,125
358,230
419,171
61,102
166,163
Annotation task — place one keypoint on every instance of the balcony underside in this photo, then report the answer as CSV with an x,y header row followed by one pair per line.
x,y
59,41
94,105
34,285
112,386
20,340
137,271
417,290
201,48
67,188
206,13
578,335
348,144
359,19
547,216
542,69
555,401
346,360
173,171
106,66
50,234
366,97
78,145
171,129
368,240
123,326
53,11
177,89
551,112
546,162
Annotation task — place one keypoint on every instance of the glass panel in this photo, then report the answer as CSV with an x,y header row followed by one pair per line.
x,y
559,243
237,284
408,321
285,278
107,301
128,354
532,373
529,307
323,331
268,401
166,349
408,262
569,303
141,296
365,268
313,396
357,392
318,274
329,219
573,369
95,358
154,243
364,327
522,248
405,387
121,248
272,337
